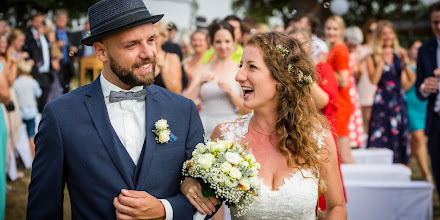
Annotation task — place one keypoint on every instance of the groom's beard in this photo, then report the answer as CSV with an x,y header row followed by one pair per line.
x,y
128,77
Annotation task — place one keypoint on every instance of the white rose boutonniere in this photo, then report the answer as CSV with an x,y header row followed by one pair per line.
x,y
163,134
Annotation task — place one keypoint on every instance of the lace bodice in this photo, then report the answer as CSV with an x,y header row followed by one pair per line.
x,y
295,199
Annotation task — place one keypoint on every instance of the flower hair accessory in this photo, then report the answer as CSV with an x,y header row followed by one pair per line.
x,y
301,77
163,134
282,50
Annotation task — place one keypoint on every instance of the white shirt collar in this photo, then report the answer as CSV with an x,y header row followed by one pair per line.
x,y
107,87
34,31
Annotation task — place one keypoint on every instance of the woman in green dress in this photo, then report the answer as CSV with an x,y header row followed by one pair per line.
x,y
4,98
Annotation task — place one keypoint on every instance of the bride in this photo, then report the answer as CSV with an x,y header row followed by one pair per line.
x,y
287,135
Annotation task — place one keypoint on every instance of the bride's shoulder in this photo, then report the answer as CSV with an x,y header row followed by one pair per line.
x,y
232,130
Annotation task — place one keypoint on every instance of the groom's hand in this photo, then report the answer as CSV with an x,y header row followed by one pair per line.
x,y
131,204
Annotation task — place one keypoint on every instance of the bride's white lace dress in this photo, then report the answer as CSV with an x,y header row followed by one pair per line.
x,y
296,199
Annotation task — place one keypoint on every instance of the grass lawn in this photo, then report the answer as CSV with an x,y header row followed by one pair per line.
x,y
16,198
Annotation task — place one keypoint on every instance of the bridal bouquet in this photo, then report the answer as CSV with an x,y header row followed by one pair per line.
x,y
227,171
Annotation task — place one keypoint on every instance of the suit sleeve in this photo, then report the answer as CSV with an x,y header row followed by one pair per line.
x,y
46,190
421,72
182,208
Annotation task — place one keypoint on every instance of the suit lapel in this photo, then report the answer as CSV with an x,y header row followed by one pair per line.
x,y
98,112
152,114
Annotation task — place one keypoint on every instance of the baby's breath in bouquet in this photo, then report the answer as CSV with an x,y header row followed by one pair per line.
x,y
227,171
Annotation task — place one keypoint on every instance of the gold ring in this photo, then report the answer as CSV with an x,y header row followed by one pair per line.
x,y
196,197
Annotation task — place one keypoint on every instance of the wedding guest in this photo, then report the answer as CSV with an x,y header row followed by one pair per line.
x,y
353,37
172,32
235,22
247,28
417,116
199,43
288,136
38,48
171,47
56,87
16,42
12,113
324,90
5,99
168,71
83,50
389,69
67,70
312,24
28,90
3,27
338,58
220,96
428,73
185,46
366,89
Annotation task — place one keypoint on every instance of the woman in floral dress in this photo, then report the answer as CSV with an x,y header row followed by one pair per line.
x,y
389,119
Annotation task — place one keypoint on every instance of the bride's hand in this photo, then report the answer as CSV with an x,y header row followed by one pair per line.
x,y
193,191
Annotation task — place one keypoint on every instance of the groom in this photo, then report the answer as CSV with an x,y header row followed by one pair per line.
x,y
98,139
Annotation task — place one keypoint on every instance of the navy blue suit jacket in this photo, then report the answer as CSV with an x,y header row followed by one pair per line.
x,y
426,64
77,146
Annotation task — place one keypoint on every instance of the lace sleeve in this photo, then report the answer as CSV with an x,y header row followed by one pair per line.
x,y
237,129
319,136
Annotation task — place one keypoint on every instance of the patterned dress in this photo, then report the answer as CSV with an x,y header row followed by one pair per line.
x,y
389,118
356,124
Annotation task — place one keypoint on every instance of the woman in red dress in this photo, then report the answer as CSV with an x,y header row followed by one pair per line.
x,y
338,58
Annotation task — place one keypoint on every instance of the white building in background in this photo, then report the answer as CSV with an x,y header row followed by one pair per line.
x,y
183,15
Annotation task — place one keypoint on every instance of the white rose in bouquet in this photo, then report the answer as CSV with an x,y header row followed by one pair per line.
x,y
225,167
206,161
231,182
233,158
235,173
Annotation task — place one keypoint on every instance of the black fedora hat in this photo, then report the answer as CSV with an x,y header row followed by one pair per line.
x,y
111,16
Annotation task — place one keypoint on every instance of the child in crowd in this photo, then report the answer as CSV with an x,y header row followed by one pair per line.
x,y
28,90
56,90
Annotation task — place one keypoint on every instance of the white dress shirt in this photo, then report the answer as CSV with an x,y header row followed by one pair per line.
x,y
128,120
45,66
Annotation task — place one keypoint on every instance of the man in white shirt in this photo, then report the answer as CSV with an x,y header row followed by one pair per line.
x,y
428,73
99,139
38,48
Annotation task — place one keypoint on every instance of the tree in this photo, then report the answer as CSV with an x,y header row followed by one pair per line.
x,y
359,10
20,11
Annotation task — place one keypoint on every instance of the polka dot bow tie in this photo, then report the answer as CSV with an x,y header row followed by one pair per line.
x,y
119,96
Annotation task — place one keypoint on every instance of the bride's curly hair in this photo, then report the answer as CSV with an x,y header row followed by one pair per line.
x,y
298,122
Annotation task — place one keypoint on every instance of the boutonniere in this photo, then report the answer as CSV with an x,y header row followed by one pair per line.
x,y
163,134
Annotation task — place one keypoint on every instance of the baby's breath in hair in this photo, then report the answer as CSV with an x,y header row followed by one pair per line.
x,y
301,77
281,49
